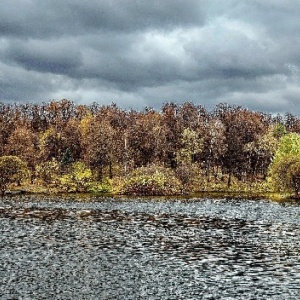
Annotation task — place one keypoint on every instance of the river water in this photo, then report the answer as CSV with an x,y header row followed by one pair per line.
x,y
101,248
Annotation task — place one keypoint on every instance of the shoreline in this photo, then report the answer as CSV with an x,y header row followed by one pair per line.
x,y
246,195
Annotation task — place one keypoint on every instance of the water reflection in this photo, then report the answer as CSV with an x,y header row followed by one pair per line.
x,y
209,249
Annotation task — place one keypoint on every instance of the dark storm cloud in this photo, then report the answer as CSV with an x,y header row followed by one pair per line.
x,y
25,18
45,56
143,53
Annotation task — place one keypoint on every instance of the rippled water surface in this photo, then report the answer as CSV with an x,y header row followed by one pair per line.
x,y
148,249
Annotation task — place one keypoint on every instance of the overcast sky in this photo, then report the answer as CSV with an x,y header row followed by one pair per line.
x,y
140,53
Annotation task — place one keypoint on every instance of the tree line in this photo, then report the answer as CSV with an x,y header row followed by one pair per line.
x,y
226,143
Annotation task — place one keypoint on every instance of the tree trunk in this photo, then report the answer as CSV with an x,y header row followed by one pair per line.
x,y
229,180
2,190
110,170
100,174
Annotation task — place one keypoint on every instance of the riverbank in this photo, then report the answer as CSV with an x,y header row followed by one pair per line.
x,y
214,194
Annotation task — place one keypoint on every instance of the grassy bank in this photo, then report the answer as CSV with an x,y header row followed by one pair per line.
x,y
115,188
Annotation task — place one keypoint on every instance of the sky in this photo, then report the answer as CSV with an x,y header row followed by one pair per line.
x,y
141,53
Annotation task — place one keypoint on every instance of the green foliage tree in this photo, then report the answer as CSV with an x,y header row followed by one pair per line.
x,y
279,130
284,172
191,144
289,144
12,170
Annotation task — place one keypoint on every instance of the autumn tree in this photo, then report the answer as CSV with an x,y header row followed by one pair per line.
x,y
292,123
50,145
119,122
38,118
48,171
70,142
241,127
7,125
145,138
261,151
23,143
230,141
214,145
97,144
191,116
172,129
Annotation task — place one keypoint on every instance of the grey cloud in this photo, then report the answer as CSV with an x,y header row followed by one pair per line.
x,y
277,17
55,17
53,56
139,53
137,15
18,85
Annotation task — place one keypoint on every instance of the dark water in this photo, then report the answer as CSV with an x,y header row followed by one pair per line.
x,y
149,249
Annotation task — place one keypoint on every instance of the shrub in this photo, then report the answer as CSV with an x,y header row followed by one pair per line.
x,y
78,179
12,169
151,181
97,187
284,174
190,176
48,171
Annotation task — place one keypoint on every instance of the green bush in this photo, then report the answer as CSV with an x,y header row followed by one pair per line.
x,y
151,181
12,170
78,179
284,171
103,187
284,174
